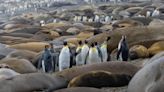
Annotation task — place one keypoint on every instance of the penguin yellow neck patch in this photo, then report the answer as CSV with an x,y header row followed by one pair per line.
x,y
85,45
93,49
65,46
104,46
78,48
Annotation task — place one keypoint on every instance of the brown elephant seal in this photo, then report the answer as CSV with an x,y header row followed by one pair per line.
x,y
127,23
10,40
23,54
134,37
138,51
32,46
13,26
6,73
45,35
19,65
113,67
149,78
99,79
80,89
156,23
156,48
31,82
73,31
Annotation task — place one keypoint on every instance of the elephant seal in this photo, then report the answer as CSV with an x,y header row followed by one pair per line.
x,y
127,23
14,26
32,46
134,36
113,67
29,30
5,50
80,89
157,56
99,79
138,51
156,48
149,78
23,54
134,10
157,23
143,20
31,82
19,65
45,35
73,31
6,73
24,35
10,40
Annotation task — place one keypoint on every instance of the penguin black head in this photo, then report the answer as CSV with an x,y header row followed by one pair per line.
x,y
92,45
80,42
124,38
96,43
108,38
86,42
65,43
46,46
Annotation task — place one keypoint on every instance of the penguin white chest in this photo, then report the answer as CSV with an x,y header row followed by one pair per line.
x,y
104,53
79,57
64,58
84,52
93,56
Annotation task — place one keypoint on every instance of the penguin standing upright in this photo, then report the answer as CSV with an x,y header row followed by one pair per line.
x,y
104,50
84,51
78,54
123,49
46,60
148,14
93,55
64,57
99,51
156,13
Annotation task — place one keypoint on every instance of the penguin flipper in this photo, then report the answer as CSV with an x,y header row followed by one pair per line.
x,y
72,61
118,53
100,54
86,58
79,51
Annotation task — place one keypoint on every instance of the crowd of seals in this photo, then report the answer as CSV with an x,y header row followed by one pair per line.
x,y
24,37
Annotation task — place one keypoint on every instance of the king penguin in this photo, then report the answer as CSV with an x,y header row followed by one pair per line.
x,y
64,57
104,50
78,54
84,51
93,55
123,50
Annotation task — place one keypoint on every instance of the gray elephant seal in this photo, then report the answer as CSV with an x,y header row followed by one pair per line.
x,y
149,79
31,83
